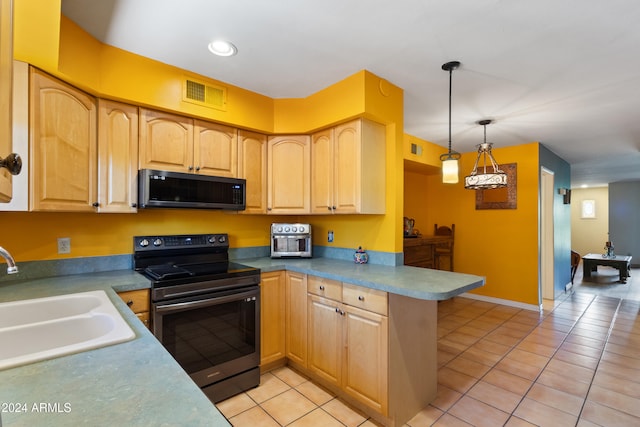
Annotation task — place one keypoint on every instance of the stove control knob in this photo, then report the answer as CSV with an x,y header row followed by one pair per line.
x,y
286,229
301,229
280,229
222,239
211,239
294,229
157,242
144,243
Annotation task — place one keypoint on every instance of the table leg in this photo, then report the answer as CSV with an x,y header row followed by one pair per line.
x,y
586,269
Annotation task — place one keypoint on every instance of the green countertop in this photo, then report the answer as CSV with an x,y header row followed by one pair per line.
x,y
138,383
415,282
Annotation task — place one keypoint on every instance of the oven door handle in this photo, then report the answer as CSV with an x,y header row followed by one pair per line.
x,y
180,306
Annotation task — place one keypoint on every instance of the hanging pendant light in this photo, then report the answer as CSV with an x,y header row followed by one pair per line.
x,y
450,159
485,180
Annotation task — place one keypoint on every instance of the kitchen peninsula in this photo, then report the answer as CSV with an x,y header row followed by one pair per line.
x,y
138,383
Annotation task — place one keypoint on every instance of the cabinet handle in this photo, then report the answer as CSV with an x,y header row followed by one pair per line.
x,y
95,204
340,312
197,168
360,298
190,167
130,303
134,205
329,207
333,208
322,287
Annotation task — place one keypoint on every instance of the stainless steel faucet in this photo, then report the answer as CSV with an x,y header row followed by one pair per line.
x,y
11,264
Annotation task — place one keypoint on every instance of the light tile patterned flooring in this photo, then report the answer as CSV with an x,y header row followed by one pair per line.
x,y
577,364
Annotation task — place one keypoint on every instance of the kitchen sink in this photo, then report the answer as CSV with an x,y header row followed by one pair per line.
x,y
43,328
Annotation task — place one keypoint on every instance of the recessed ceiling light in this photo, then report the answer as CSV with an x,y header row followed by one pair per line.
x,y
222,48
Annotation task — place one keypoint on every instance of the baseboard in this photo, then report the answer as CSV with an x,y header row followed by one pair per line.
x,y
501,301
568,287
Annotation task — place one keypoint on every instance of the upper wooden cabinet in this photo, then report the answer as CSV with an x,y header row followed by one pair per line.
x,y
6,90
215,149
289,174
252,166
166,141
117,157
348,169
176,143
63,145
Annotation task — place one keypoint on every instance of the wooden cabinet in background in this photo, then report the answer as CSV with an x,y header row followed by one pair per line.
x,y
252,166
63,146
288,174
419,251
348,169
6,90
296,318
117,157
139,301
176,143
272,318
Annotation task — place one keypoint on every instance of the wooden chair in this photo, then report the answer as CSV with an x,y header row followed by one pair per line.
x,y
444,249
575,261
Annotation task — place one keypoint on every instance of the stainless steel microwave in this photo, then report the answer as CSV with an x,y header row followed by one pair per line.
x,y
164,189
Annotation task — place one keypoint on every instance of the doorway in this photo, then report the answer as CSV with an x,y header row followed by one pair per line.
x,y
546,234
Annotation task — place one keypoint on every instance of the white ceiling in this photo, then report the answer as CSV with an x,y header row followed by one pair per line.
x,y
564,73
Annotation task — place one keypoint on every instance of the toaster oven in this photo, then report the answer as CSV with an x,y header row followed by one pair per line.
x,y
290,240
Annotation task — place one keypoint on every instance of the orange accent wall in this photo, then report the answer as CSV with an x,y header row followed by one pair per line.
x,y
499,244
112,73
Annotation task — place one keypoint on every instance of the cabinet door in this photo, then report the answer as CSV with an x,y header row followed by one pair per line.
x,y
272,317
117,157
166,141
63,146
252,166
215,149
6,89
289,174
325,338
322,160
296,317
366,357
347,168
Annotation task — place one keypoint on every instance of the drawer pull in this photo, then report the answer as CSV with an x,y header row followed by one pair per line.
x,y
322,287
130,303
360,298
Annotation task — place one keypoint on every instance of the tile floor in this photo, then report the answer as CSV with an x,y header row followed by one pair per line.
x,y
576,364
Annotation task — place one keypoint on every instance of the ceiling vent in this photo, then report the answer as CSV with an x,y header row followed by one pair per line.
x,y
204,94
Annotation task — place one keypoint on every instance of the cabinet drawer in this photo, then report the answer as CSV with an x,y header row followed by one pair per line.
x,y
327,288
365,298
138,301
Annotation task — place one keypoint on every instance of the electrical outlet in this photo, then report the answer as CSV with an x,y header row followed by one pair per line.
x,y
330,236
64,245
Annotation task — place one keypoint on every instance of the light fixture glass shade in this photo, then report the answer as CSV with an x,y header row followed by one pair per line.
x,y
450,171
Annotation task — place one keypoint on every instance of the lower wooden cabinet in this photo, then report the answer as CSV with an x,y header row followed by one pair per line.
x,y
272,317
296,318
348,346
375,350
139,301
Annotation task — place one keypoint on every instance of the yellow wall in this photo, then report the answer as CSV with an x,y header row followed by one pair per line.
x,y
112,73
501,245
588,235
